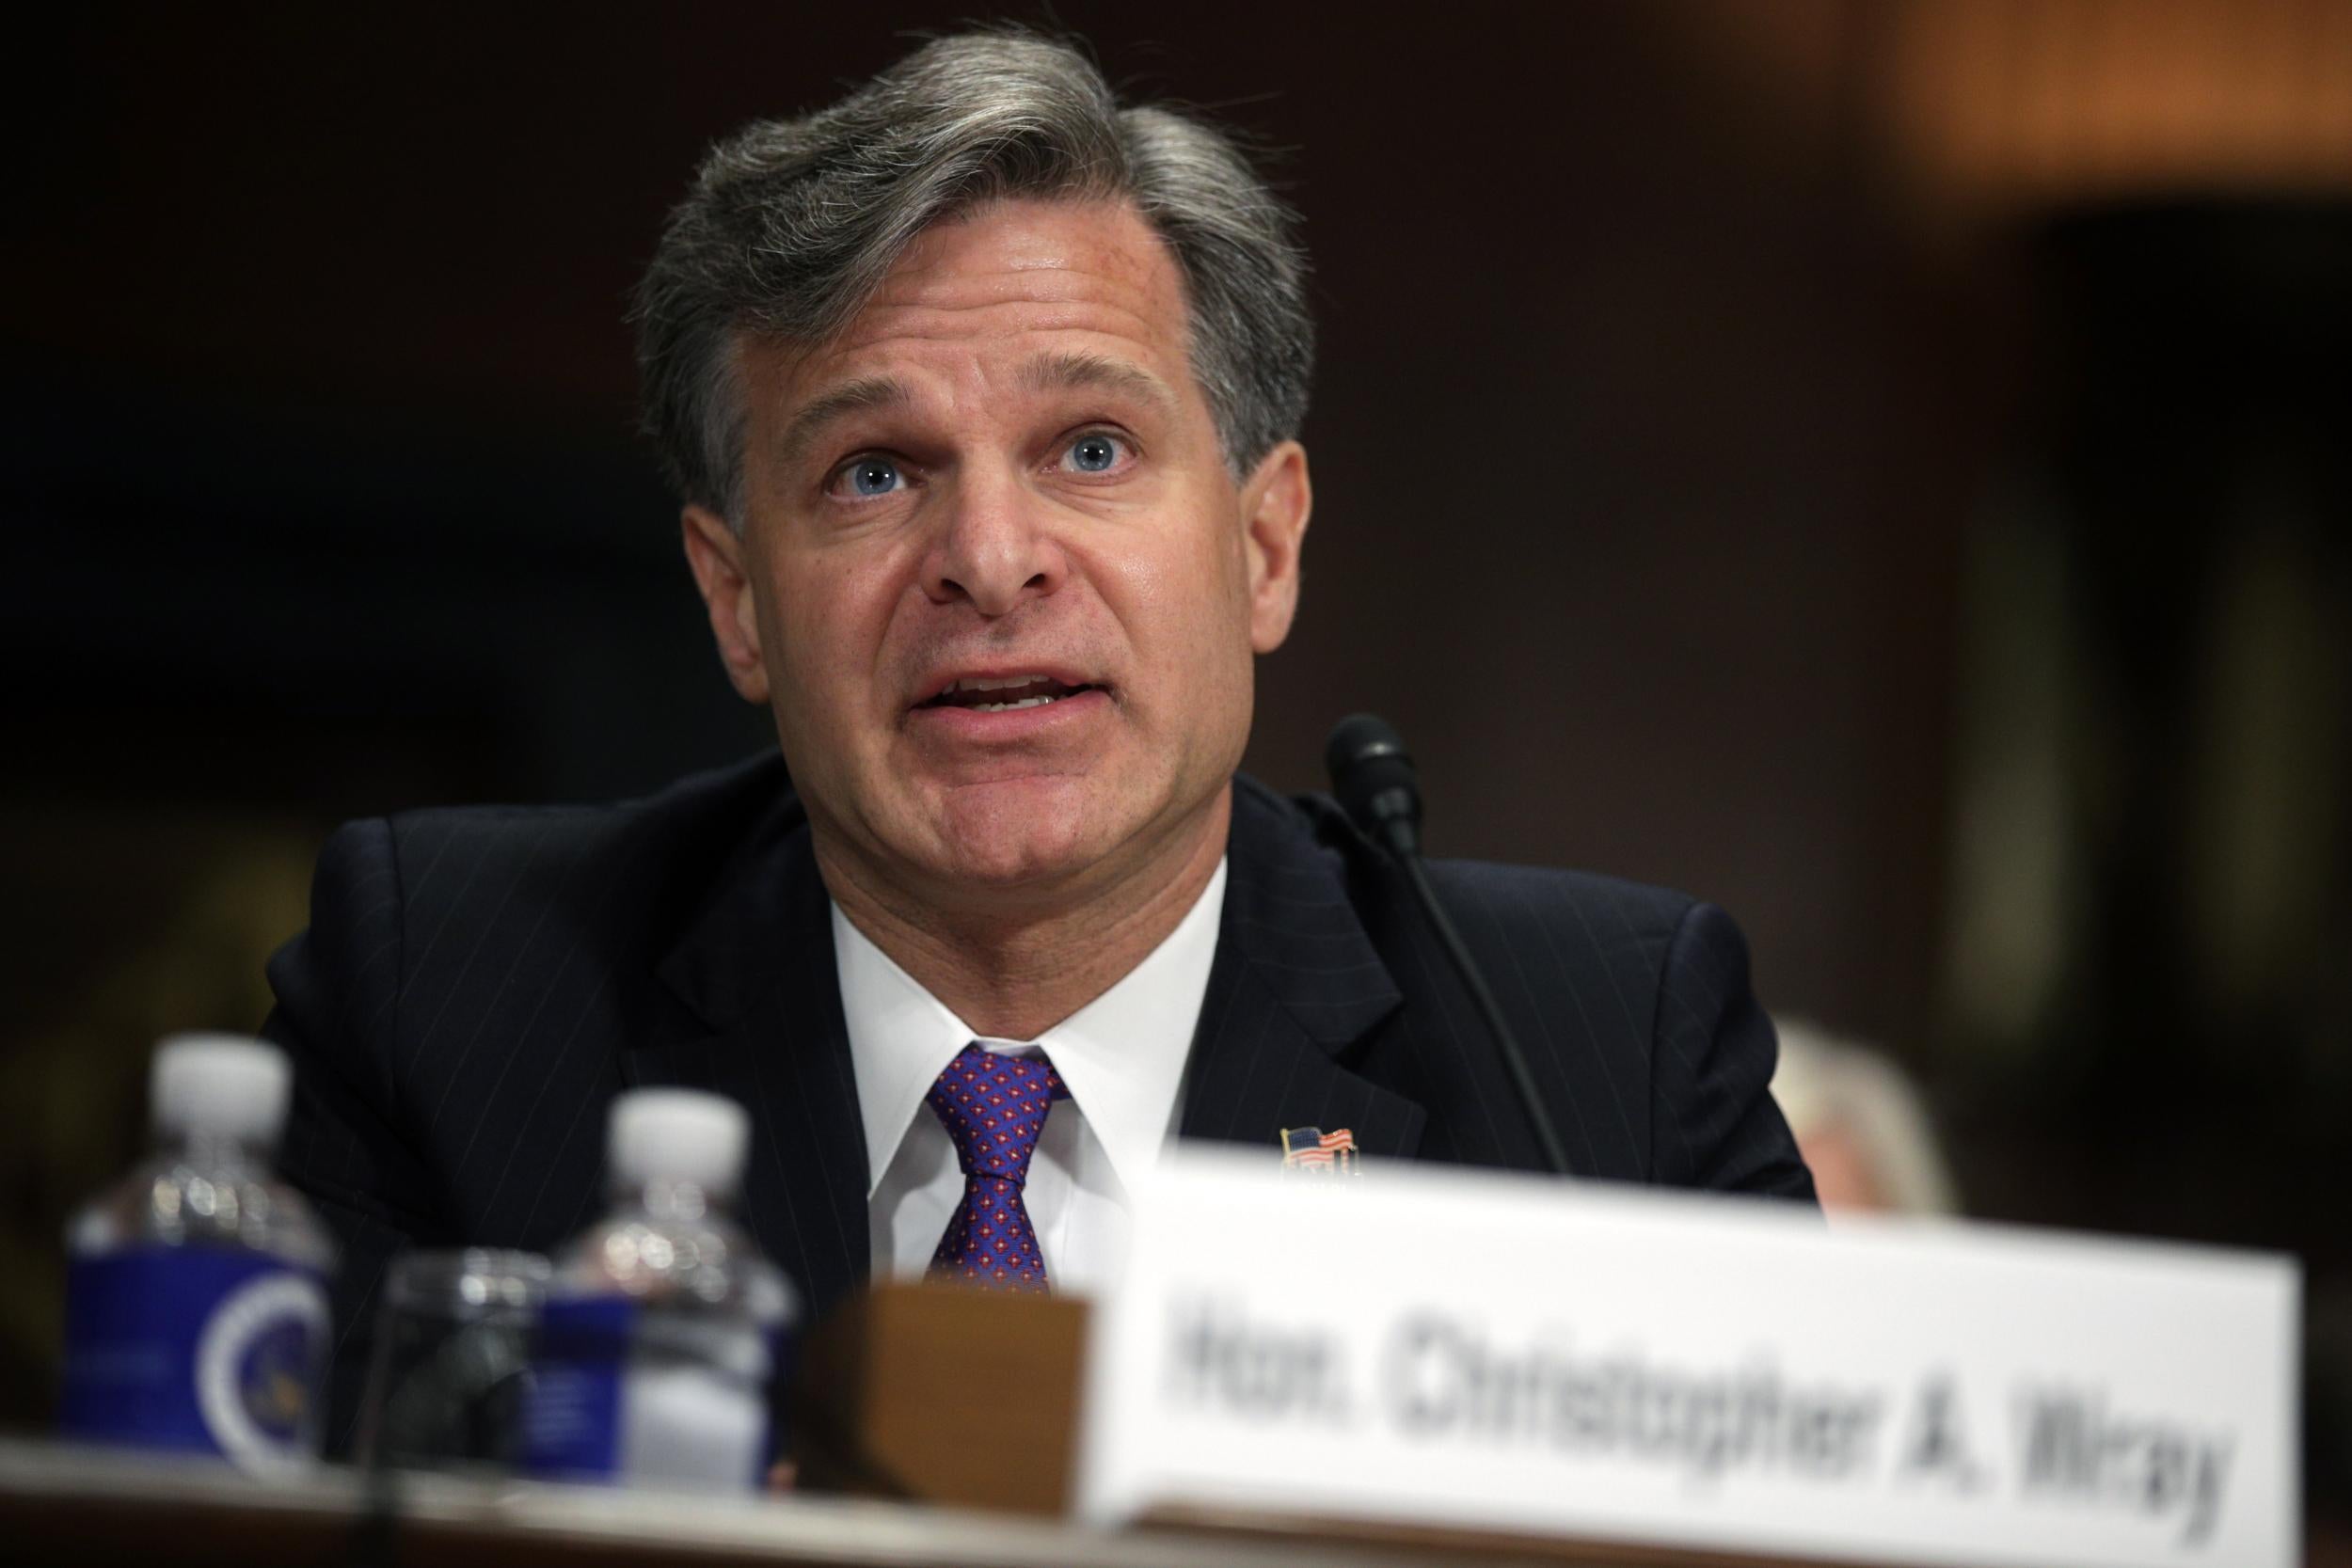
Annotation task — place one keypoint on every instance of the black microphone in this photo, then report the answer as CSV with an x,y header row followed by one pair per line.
x,y
1372,773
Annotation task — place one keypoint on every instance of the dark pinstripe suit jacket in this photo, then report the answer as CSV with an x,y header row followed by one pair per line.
x,y
476,985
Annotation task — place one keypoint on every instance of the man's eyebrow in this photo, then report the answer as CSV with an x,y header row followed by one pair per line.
x,y
1047,372
851,397
1061,372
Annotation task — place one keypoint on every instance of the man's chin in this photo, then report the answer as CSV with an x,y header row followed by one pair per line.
x,y
1009,871
1034,833
1007,838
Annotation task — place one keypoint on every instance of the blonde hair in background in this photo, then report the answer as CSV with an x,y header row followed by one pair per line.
x,y
1833,1088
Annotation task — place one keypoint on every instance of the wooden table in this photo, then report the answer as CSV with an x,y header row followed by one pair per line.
x,y
69,1505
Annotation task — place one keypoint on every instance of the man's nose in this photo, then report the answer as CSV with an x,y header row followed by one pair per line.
x,y
993,547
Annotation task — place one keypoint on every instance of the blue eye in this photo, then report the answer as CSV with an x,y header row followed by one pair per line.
x,y
1096,454
873,476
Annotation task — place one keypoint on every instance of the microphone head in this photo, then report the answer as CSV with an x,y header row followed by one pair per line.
x,y
1372,774
1365,740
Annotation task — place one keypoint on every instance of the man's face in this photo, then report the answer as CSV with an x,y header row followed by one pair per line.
x,y
996,581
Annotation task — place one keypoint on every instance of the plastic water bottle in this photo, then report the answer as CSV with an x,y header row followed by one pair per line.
x,y
195,1292
663,1327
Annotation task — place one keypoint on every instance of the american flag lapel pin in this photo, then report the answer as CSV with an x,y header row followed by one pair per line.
x,y
1311,1151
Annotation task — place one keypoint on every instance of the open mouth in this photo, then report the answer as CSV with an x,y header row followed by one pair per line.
x,y
1005,694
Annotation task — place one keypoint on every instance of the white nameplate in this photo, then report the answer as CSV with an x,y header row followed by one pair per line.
x,y
1432,1347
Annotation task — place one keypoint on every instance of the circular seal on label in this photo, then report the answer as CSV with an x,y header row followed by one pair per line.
x,y
256,1369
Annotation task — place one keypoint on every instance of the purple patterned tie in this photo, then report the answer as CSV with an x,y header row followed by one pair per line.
x,y
993,1107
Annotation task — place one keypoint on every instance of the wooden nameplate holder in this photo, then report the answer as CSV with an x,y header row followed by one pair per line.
x,y
939,1394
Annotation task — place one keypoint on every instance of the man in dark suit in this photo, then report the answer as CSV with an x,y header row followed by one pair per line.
x,y
982,394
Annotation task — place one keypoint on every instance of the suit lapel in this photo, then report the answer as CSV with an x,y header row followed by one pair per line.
x,y
1296,988
764,1027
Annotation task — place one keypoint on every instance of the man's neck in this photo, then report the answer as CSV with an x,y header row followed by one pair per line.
x,y
1014,972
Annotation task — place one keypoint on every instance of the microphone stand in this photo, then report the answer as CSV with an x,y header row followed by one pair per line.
x,y
1513,1059
1374,778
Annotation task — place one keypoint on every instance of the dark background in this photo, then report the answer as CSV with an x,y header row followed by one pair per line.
x,y
1880,466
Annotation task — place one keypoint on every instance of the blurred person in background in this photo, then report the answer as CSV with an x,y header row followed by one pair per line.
x,y
1862,1125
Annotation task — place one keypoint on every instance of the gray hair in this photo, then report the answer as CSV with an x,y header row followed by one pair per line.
x,y
791,225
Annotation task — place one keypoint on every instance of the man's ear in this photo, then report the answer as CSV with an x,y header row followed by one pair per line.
x,y
722,572
1275,506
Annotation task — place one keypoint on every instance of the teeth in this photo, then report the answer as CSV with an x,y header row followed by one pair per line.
x,y
980,683
1008,707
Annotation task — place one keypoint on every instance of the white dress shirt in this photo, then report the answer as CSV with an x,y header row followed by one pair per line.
x,y
1121,1056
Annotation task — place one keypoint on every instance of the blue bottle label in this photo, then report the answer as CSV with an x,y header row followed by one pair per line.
x,y
571,1419
619,1397
783,1345
195,1349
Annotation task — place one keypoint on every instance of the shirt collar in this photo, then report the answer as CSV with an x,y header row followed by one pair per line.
x,y
1121,1055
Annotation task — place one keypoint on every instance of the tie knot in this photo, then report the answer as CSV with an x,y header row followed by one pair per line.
x,y
993,1107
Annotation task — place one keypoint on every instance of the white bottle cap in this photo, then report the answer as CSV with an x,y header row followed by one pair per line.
x,y
678,1136
219,1086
